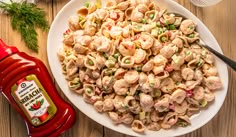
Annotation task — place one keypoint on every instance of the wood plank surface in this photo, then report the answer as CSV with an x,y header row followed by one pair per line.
x,y
221,21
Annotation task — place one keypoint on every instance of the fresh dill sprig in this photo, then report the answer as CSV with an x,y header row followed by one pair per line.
x,y
25,17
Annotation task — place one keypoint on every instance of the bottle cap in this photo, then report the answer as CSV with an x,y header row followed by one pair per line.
x,y
6,50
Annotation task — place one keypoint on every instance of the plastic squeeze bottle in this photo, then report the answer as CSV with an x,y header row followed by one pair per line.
x,y
27,85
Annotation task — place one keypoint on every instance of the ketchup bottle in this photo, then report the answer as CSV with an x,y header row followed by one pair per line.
x,y
26,84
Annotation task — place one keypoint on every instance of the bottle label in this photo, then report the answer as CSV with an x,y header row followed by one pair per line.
x,y
33,100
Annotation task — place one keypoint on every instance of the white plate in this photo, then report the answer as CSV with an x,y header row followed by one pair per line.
x,y
55,38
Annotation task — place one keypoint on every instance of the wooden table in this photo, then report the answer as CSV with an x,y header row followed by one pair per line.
x,y
220,19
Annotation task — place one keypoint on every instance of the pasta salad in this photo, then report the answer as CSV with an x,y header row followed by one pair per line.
x,y
138,63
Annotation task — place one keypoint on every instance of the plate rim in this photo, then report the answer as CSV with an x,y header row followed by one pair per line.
x,y
117,129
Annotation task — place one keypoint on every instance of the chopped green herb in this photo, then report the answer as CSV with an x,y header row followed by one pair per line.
x,y
144,21
137,93
172,27
105,55
199,63
139,69
25,18
151,16
188,53
127,93
90,62
86,4
64,68
124,106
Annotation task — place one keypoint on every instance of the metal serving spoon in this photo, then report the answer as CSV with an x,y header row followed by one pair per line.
x,y
204,3
225,59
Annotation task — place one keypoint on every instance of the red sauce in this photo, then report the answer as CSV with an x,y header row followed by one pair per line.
x,y
27,85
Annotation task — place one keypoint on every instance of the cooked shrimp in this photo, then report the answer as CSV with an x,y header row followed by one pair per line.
x,y
181,108
139,55
155,117
131,76
169,120
198,93
138,126
213,82
168,51
178,95
116,31
108,105
126,48
121,87
146,101
148,66
162,105
209,96
142,78
118,103
178,42
74,23
136,16
209,71
187,73
114,117
102,44
154,126
127,118
98,105
187,26
146,41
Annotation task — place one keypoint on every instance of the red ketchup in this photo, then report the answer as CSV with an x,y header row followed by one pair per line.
x,y
27,85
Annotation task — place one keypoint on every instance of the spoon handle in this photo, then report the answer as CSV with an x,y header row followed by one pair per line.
x,y
227,60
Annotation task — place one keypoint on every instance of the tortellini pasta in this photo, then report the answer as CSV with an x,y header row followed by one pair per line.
x,y
138,63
